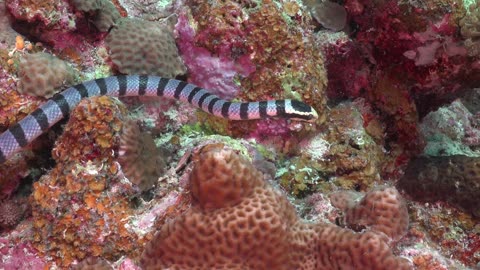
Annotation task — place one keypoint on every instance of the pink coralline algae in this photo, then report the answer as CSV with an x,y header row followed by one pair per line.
x,y
20,256
217,72
267,128
431,61
51,14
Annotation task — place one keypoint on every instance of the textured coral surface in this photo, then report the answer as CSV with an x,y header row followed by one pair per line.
x,y
382,210
121,177
238,221
43,75
157,55
80,207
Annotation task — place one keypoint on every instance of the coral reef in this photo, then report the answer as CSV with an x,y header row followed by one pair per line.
x,y
42,75
431,63
20,256
93,263
7,34
451,130
446,226
52,14
261,53
454,179
248,225
206,69
157,54
387,78
330,15
469,28
80,207
347,151
14,105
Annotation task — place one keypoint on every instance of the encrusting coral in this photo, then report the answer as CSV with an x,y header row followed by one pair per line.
x,y
252,51
10,214
81,207
470,28
247,224
93,263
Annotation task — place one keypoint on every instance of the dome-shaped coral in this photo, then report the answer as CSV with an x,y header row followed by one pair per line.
x,y
42,74
250,225
143,47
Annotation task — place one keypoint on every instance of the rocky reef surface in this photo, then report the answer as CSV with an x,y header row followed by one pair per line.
x,y
385,178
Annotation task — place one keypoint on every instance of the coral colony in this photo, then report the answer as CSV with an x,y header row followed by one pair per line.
x,y
268,134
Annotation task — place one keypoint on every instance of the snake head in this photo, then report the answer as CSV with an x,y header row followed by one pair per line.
x,y
300,111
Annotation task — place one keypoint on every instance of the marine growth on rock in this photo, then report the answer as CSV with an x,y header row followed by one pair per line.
x,y
297,134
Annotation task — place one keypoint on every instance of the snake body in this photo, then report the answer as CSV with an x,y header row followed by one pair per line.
x,y
59,106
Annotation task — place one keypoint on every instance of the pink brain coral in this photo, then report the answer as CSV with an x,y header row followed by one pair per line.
x,y
381,210
238,221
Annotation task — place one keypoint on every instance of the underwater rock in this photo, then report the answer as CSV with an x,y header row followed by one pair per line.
x,y
453,179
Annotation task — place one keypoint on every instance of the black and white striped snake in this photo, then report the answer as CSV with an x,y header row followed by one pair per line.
x,y
59,106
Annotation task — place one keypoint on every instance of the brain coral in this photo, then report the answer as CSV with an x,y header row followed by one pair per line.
x,y
42,74
380,210
143,47
238,221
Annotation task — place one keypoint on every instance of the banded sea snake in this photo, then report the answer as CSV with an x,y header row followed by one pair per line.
x,y
59,106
